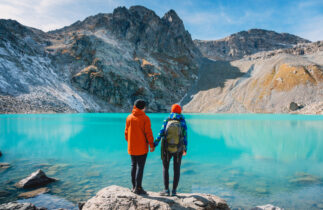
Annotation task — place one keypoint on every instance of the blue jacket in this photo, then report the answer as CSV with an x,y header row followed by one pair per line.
x,y
172,116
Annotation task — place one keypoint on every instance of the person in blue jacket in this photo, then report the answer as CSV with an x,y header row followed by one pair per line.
x,y
173,135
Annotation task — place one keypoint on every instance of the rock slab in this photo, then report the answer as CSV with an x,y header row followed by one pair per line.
x,y
116,197
267,207
36,179
34,193
4,166
19,206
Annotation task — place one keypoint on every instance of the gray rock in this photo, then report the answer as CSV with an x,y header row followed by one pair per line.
x,y
36,179
4,166
80,205
115,197
19,206
294,106
267,207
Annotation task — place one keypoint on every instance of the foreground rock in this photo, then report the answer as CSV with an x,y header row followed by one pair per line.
x,y
19,206
34,193
115,197
36,179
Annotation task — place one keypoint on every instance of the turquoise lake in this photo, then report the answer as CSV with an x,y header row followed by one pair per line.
x,y
246,159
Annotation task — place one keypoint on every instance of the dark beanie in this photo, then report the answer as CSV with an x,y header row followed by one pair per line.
x,y
140,104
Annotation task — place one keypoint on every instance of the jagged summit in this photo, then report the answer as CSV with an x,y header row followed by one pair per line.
x,y
248,42
103,63
172,17
142,27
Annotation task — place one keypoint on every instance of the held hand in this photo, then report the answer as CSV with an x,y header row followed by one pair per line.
x,y
152,149
184,153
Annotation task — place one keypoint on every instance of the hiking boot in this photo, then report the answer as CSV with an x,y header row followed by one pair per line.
x,y
133,189
164,193
140,191
174,193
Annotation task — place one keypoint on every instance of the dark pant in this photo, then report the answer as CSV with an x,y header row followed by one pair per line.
x,y
137,169
177,158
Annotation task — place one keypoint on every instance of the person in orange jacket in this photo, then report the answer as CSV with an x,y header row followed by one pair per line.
x,y
138,134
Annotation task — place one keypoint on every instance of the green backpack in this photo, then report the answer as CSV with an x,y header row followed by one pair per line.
x,y
174,136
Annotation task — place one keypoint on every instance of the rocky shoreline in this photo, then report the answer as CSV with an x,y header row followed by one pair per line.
x,y
114,197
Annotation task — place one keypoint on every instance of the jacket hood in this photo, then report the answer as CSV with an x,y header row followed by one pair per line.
x,y
137,112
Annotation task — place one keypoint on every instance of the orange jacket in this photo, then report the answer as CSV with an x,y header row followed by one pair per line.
x,y
138,132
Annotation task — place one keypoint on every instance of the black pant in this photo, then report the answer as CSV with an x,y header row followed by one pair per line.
x,y
137,169
177,169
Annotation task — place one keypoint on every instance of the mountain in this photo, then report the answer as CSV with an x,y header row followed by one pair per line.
x,y
101,64
238,45
105,62
280,81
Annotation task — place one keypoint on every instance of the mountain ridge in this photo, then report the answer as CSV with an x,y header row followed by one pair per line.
x,y
244,43
116,58
106,61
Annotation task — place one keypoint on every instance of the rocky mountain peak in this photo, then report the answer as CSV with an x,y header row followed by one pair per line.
x,y
143,12
8,26
172,17
248,42
285,38
120,13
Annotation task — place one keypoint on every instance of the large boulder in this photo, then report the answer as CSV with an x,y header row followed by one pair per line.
x,y
116,197
36,179
19,206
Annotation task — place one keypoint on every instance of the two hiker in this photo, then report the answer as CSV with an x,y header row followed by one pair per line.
x,y
173,137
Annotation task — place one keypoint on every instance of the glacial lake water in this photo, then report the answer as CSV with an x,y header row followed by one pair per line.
x,y
247,159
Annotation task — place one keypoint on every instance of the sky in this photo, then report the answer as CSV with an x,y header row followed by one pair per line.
x,y
204,19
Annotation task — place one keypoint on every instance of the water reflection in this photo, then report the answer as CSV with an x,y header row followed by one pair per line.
x,y
284,140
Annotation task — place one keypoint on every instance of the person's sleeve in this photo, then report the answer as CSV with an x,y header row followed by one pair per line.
x,y
161,133
185,134
126,130
149,133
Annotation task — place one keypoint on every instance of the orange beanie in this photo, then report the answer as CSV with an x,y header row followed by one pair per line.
x,y
176,109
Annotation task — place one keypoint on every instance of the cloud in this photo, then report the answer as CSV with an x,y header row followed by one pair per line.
x,y
209,19
311,28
